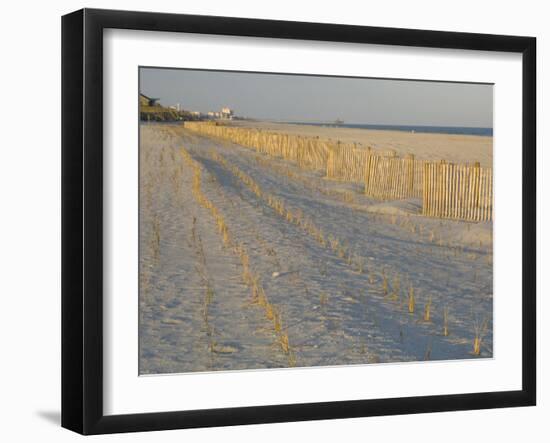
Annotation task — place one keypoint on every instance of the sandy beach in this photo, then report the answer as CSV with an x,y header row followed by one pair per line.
x,y
450,147
247,262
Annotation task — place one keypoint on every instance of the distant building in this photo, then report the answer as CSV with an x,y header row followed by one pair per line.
x,y
224,114
150,110
147,101
214,115
227,113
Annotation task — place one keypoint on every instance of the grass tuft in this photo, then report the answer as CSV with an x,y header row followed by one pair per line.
x,y
412,300
428,309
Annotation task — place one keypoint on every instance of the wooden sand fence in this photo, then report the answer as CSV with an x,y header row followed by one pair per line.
x,y
306,152
458,191
392,177
447,190
347,163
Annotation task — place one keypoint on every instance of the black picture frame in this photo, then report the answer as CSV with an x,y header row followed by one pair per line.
x,y
82,219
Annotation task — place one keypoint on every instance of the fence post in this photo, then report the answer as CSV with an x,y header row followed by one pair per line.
x,y
367,170
476,191
410,172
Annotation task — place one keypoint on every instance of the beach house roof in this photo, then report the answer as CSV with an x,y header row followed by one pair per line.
x,y
147,101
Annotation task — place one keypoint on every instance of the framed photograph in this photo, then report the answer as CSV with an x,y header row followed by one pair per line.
x,y
268,221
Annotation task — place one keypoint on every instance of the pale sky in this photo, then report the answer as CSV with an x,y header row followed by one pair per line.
x,y
313,98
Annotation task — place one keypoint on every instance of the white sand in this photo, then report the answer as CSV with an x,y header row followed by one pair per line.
x,y
334,314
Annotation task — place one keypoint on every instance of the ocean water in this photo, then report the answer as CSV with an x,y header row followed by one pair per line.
x,y
488,132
